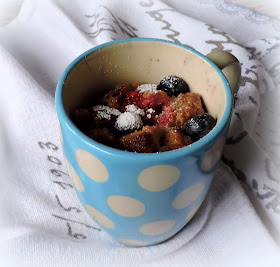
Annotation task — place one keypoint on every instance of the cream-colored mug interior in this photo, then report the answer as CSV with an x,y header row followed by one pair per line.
x,y
144,62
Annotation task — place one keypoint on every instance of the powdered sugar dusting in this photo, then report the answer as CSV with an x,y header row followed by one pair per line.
x,y
131,119
128,121
170,81
104,112
103,115
150,110
135,110
147,87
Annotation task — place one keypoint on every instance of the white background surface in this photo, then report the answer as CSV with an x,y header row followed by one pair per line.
x,y
242,227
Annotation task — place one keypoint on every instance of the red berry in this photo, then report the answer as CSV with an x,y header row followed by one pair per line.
x,y
147,102
168,117
131,98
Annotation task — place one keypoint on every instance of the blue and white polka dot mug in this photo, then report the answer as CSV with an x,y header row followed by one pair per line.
x,y
143,199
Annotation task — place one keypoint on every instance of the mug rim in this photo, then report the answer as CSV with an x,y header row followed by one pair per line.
x,y
184,151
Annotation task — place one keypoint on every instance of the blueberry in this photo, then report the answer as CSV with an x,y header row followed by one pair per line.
x,y
200,125
173,85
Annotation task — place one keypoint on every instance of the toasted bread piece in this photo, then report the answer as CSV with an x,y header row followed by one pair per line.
x,y
180,110
103,136
148,140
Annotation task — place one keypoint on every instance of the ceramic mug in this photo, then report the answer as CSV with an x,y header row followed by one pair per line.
x,y
143,199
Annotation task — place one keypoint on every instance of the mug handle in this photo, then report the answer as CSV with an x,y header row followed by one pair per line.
x,y
229,65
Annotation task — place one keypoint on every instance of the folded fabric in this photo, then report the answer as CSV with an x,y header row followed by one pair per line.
x,y
44,223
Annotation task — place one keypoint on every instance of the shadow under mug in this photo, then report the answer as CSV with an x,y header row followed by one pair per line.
x,y
143,199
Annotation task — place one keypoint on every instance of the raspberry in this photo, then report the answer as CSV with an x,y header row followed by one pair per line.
x,y
131,98
167,118
147,102
155,101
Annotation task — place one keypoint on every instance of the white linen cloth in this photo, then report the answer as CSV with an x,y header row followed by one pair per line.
x,y
43,222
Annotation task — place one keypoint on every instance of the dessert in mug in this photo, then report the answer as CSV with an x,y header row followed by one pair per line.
x,y
146,118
